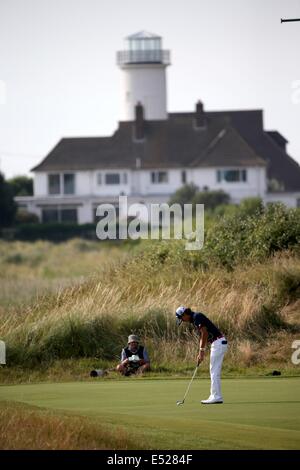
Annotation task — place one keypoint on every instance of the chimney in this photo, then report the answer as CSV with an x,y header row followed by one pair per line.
x,y
200,118
278,138
139,122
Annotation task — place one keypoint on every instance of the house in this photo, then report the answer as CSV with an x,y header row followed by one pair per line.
x,y
153,153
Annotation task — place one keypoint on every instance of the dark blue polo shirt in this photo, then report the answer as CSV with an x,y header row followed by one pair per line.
x,y
199,320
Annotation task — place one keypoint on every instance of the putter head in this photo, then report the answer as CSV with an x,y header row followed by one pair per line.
x,y
179,402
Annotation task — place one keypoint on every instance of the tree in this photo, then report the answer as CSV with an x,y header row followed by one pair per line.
x,y
22,185
184,195
8,206
211,199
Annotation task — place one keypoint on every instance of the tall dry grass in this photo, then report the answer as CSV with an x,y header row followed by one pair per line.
x,y
140,294
30,428
30,270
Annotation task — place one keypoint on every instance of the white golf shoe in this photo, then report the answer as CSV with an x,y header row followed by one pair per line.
x,y
211,401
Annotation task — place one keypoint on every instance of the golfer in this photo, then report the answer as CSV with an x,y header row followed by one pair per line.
x,y
209,334
134,358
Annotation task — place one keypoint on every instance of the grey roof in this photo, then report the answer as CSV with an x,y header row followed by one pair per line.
x,y
230,138
143,35
228,148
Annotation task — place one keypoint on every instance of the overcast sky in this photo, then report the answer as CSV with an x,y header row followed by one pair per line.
x,y
59,78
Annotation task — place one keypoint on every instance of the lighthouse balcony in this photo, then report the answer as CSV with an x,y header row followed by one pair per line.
x,y
153,56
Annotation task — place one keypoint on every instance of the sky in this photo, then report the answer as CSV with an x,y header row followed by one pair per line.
x,y
59,78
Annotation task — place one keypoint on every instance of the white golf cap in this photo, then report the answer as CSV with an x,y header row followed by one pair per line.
x,y
133,338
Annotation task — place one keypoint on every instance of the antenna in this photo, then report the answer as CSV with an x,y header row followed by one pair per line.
x,y
288,20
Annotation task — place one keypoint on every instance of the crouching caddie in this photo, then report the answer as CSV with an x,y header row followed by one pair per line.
x,y
134,358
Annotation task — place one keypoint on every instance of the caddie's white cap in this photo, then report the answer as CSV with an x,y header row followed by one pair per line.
x,y
133,338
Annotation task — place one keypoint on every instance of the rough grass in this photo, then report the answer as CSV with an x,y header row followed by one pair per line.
x,y
30,270
251,304
25,427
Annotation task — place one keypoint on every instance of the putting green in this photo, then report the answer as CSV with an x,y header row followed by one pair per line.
x,y
257,413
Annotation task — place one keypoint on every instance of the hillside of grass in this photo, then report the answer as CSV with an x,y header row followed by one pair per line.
x,y
246,279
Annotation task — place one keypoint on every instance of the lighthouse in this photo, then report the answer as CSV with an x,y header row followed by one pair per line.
x,y
143,64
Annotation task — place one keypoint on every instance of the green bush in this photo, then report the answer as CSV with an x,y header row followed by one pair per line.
x,y
254,237
25,217
53,231
233,239
190,194
211,199
184,195
251,206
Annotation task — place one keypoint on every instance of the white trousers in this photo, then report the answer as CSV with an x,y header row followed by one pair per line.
x,y
217,352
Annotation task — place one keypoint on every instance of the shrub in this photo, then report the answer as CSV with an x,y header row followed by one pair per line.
x,y
25,217
255,237
54,231
211,199
251,206
184,195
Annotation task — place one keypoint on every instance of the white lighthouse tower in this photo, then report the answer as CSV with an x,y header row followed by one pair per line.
x,y
143,64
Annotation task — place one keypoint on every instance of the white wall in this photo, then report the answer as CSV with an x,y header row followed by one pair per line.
x,y
147,187
147,84
205,177
254,186
139,183
86,183
289,199
82,183
40,184
113,189
85,213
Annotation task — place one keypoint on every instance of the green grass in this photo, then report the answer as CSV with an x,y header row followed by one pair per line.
x,y
77,370
257,414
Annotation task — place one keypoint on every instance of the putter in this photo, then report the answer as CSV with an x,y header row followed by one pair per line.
x,y
181,402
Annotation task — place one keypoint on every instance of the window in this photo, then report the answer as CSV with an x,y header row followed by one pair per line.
x,y
49,215
183,176
59,214
54,184
298,202
159,177
124,178
68,215
69,183
232,176
112,178
99,179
